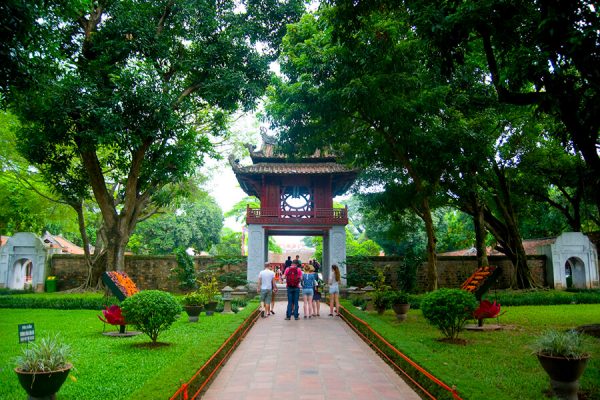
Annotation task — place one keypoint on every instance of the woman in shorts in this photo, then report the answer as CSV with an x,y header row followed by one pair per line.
x,y
334,290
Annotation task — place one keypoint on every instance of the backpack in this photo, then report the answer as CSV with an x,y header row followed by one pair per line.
x,y
293,277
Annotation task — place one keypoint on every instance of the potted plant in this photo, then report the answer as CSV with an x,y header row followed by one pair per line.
x,y
43,367
564,357
381,300
193,304
399,302
210,289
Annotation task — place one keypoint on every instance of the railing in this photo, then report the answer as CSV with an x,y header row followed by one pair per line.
x,y
275,215
418,376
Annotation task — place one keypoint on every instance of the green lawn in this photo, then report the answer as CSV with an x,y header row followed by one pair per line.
x,y
116,368
493,365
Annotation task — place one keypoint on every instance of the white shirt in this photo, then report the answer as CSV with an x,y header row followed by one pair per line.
x,y
266,279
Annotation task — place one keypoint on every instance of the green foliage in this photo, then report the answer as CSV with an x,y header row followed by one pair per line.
x,y
229,245
233,279
484,368
151,311
209,287
158,372
540,297
359,302
185,272
59,301
362,272
569,344
47,355
134,104
196,224
398,297
194,299
448,310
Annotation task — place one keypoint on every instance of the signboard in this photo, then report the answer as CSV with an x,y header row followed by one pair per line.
x,y
26,333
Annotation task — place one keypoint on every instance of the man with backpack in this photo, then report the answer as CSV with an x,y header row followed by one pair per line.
x,y
293,276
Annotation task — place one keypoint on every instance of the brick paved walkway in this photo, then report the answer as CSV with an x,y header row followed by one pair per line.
x,y
314,359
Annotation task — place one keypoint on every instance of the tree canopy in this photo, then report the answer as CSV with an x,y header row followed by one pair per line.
x,y
119,98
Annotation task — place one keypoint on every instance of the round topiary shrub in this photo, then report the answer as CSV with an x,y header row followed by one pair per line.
x,y
448,310
151,311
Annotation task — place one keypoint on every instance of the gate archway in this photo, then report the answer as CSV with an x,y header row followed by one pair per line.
x,y
296,199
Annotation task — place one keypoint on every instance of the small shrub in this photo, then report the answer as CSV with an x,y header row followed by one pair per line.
x,y
448,310
49,354
359,302
398,297
233,279
151,311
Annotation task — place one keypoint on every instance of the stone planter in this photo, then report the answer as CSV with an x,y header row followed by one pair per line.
x,y
43,385
210,308
193,312
564,374
401,311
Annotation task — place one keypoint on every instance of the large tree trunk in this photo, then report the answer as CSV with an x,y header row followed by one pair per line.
x,y
507,233
425,214
480,232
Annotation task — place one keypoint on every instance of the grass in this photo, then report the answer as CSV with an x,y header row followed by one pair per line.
x,y
116,368
496,364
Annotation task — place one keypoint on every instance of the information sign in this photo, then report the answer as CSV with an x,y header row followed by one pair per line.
x,y
26,333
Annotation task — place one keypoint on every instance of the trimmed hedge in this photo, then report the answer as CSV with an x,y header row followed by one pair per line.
x,y
544,297
57,301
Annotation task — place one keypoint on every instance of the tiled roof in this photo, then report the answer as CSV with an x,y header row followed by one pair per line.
x,y
65,246
294,168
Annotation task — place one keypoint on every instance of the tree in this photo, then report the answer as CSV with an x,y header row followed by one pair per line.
x,y
229,245
26,203
196,224
365,92
538,53
125,96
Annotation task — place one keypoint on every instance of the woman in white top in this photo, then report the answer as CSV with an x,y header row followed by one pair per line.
x,y
334,290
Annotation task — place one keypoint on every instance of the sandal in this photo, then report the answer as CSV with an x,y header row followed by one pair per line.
x,y
331,315
305,317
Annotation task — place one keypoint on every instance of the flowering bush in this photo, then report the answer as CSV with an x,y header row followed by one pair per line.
x,y
112,315
123,283
477,279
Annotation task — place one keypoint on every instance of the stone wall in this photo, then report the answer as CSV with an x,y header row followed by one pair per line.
x,y
148,272
453,271
153,272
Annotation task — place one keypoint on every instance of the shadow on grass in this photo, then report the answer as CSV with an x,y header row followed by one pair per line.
x,y
151,345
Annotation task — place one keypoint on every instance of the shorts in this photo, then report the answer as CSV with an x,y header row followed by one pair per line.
x,y
334,290
266,295
308,291
317,296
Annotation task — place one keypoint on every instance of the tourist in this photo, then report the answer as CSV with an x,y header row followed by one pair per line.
x,y
334,290
298,261
292,278
317,299
308,285
317,266
272,307
288,263
266,281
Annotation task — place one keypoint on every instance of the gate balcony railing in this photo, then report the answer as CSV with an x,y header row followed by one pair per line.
x,y
317,216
